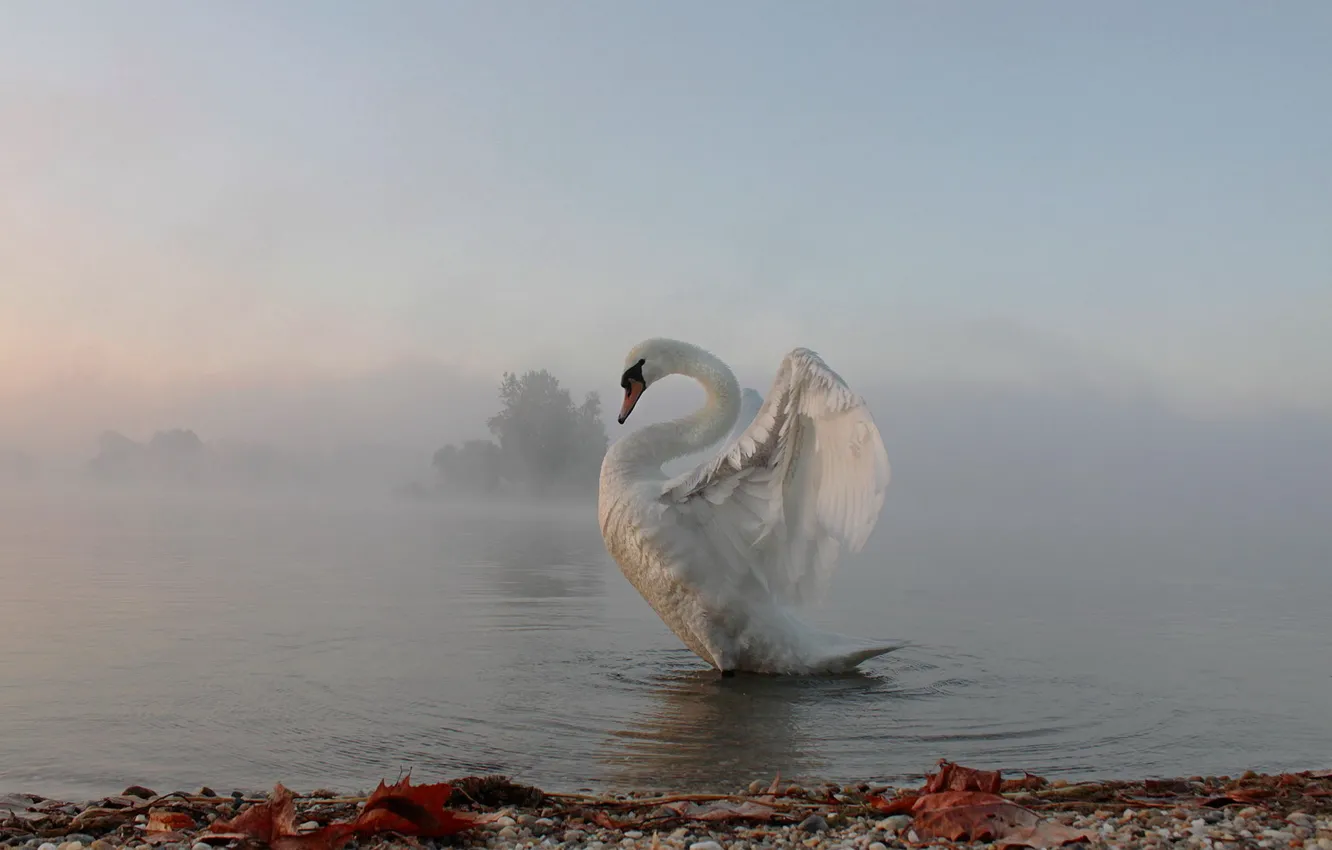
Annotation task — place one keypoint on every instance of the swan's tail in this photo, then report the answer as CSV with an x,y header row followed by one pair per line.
x,y
843,654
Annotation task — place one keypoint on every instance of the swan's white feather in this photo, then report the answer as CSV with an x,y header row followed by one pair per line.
x,y
750,403
802,483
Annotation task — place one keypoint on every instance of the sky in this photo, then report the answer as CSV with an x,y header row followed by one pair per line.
x,y
258,216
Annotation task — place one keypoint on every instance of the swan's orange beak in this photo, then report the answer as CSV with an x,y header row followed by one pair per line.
x,y
631,394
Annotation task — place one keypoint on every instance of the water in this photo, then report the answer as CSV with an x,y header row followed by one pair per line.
x,y
182,642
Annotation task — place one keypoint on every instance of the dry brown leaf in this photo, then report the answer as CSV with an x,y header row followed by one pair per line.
x,y
155,838
169,821
273,822
1043,835
968,816
894,806
955,777
723,810
411,810
605,821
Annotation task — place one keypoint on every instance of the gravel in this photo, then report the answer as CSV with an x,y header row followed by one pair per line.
x,y
1118,816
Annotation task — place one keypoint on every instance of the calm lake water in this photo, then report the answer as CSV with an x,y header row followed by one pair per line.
x,y
182,642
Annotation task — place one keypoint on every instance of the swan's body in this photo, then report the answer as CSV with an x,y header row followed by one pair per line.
x,y
726,552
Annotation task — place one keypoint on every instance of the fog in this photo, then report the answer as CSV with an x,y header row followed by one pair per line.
x,y
1041,457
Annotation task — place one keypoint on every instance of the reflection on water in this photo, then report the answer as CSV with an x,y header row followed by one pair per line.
x,y
179,643
698,725
551,557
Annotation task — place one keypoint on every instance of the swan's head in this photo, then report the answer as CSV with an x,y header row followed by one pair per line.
x,y
647,363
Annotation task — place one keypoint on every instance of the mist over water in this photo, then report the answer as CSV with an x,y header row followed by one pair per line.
x,y
239,640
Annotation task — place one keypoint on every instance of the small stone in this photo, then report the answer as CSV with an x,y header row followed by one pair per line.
x,y
48,846
757,787
705,845
101,844
895,824
72,845
572,836
310,824
878,845
634,834
201,846
504,820
794,791
508,833
207,792
140,818
814,823
139,791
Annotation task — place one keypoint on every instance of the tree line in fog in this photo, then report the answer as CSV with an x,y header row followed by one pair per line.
x,y
541,444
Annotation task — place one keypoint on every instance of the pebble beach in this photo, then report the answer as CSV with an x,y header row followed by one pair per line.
x,y
1271,811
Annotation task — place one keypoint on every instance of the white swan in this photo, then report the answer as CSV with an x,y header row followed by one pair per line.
x,y
724,553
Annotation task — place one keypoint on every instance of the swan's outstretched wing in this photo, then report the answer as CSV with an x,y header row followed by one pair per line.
x,y
804,481
750,402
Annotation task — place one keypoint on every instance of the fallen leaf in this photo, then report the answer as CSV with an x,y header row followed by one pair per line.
x,y
972,816
722,810
169,821
264,821
1042,835
895,806
954,799
411,810
955,777
605,821
165,837
273,822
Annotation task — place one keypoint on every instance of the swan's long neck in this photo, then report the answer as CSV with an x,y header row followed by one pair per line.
x,y
656,444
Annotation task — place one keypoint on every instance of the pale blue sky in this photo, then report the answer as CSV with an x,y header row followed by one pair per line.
x,y
1129,192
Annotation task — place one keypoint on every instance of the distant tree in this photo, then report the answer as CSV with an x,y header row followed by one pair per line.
x,y
473,468
177,455
118,457
545,441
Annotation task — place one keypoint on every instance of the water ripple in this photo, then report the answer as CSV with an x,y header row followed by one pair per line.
x,y
333,649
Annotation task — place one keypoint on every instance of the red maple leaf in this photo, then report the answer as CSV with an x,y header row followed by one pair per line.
x,y
273,822
169,821
402,808
411,810
955,777
963,804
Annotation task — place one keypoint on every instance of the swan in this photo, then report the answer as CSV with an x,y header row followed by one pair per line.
x,y
726,552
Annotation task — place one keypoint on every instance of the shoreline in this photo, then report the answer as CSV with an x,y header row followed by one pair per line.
x,y
955,806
